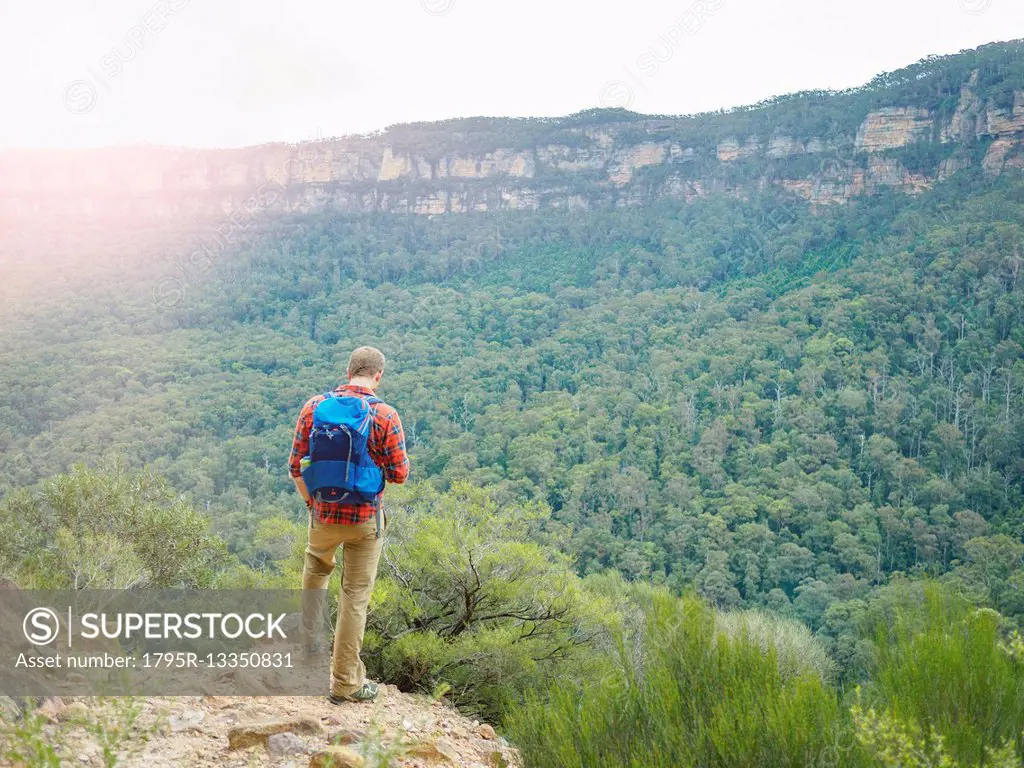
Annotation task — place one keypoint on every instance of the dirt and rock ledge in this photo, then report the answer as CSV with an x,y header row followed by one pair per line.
x,y
298,731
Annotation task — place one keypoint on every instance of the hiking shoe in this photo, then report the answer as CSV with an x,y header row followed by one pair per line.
x,y
367,693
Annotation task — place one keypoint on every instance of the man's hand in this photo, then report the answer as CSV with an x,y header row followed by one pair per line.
x,y
300,486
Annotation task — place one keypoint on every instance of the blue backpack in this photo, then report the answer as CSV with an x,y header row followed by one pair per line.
x,y
339,467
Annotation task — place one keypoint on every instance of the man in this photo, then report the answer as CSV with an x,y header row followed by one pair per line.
x,y
348,516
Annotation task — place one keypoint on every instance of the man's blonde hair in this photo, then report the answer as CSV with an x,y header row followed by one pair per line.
x,y
365,361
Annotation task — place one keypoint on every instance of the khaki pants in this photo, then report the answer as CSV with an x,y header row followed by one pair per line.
x,y
360,556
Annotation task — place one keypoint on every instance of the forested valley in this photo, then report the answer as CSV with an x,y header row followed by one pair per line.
x,y
785,421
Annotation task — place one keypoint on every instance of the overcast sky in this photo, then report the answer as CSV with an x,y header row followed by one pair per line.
x,y
237,72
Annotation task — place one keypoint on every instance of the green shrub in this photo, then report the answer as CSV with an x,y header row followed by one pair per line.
x,y
474,595
35,740
943,666
106,528
796,649
26,741
682,692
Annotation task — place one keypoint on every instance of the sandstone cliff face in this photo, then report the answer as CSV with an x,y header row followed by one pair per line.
x,y
975,120
729,149
627,163
964,124
630,159
1001,122
785,146
892,128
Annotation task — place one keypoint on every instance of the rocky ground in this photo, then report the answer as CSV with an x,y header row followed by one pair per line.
x,y
398,729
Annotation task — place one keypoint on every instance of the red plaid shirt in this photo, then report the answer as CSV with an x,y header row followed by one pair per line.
x,y
386,445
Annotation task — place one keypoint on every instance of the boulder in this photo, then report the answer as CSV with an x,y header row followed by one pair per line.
x,y
435,751
253,734
348,736
336,757
284,744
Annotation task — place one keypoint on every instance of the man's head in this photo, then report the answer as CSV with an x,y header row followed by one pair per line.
x,y
365,366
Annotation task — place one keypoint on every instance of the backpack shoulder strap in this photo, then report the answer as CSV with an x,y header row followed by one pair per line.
x,y
368,399
323,399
